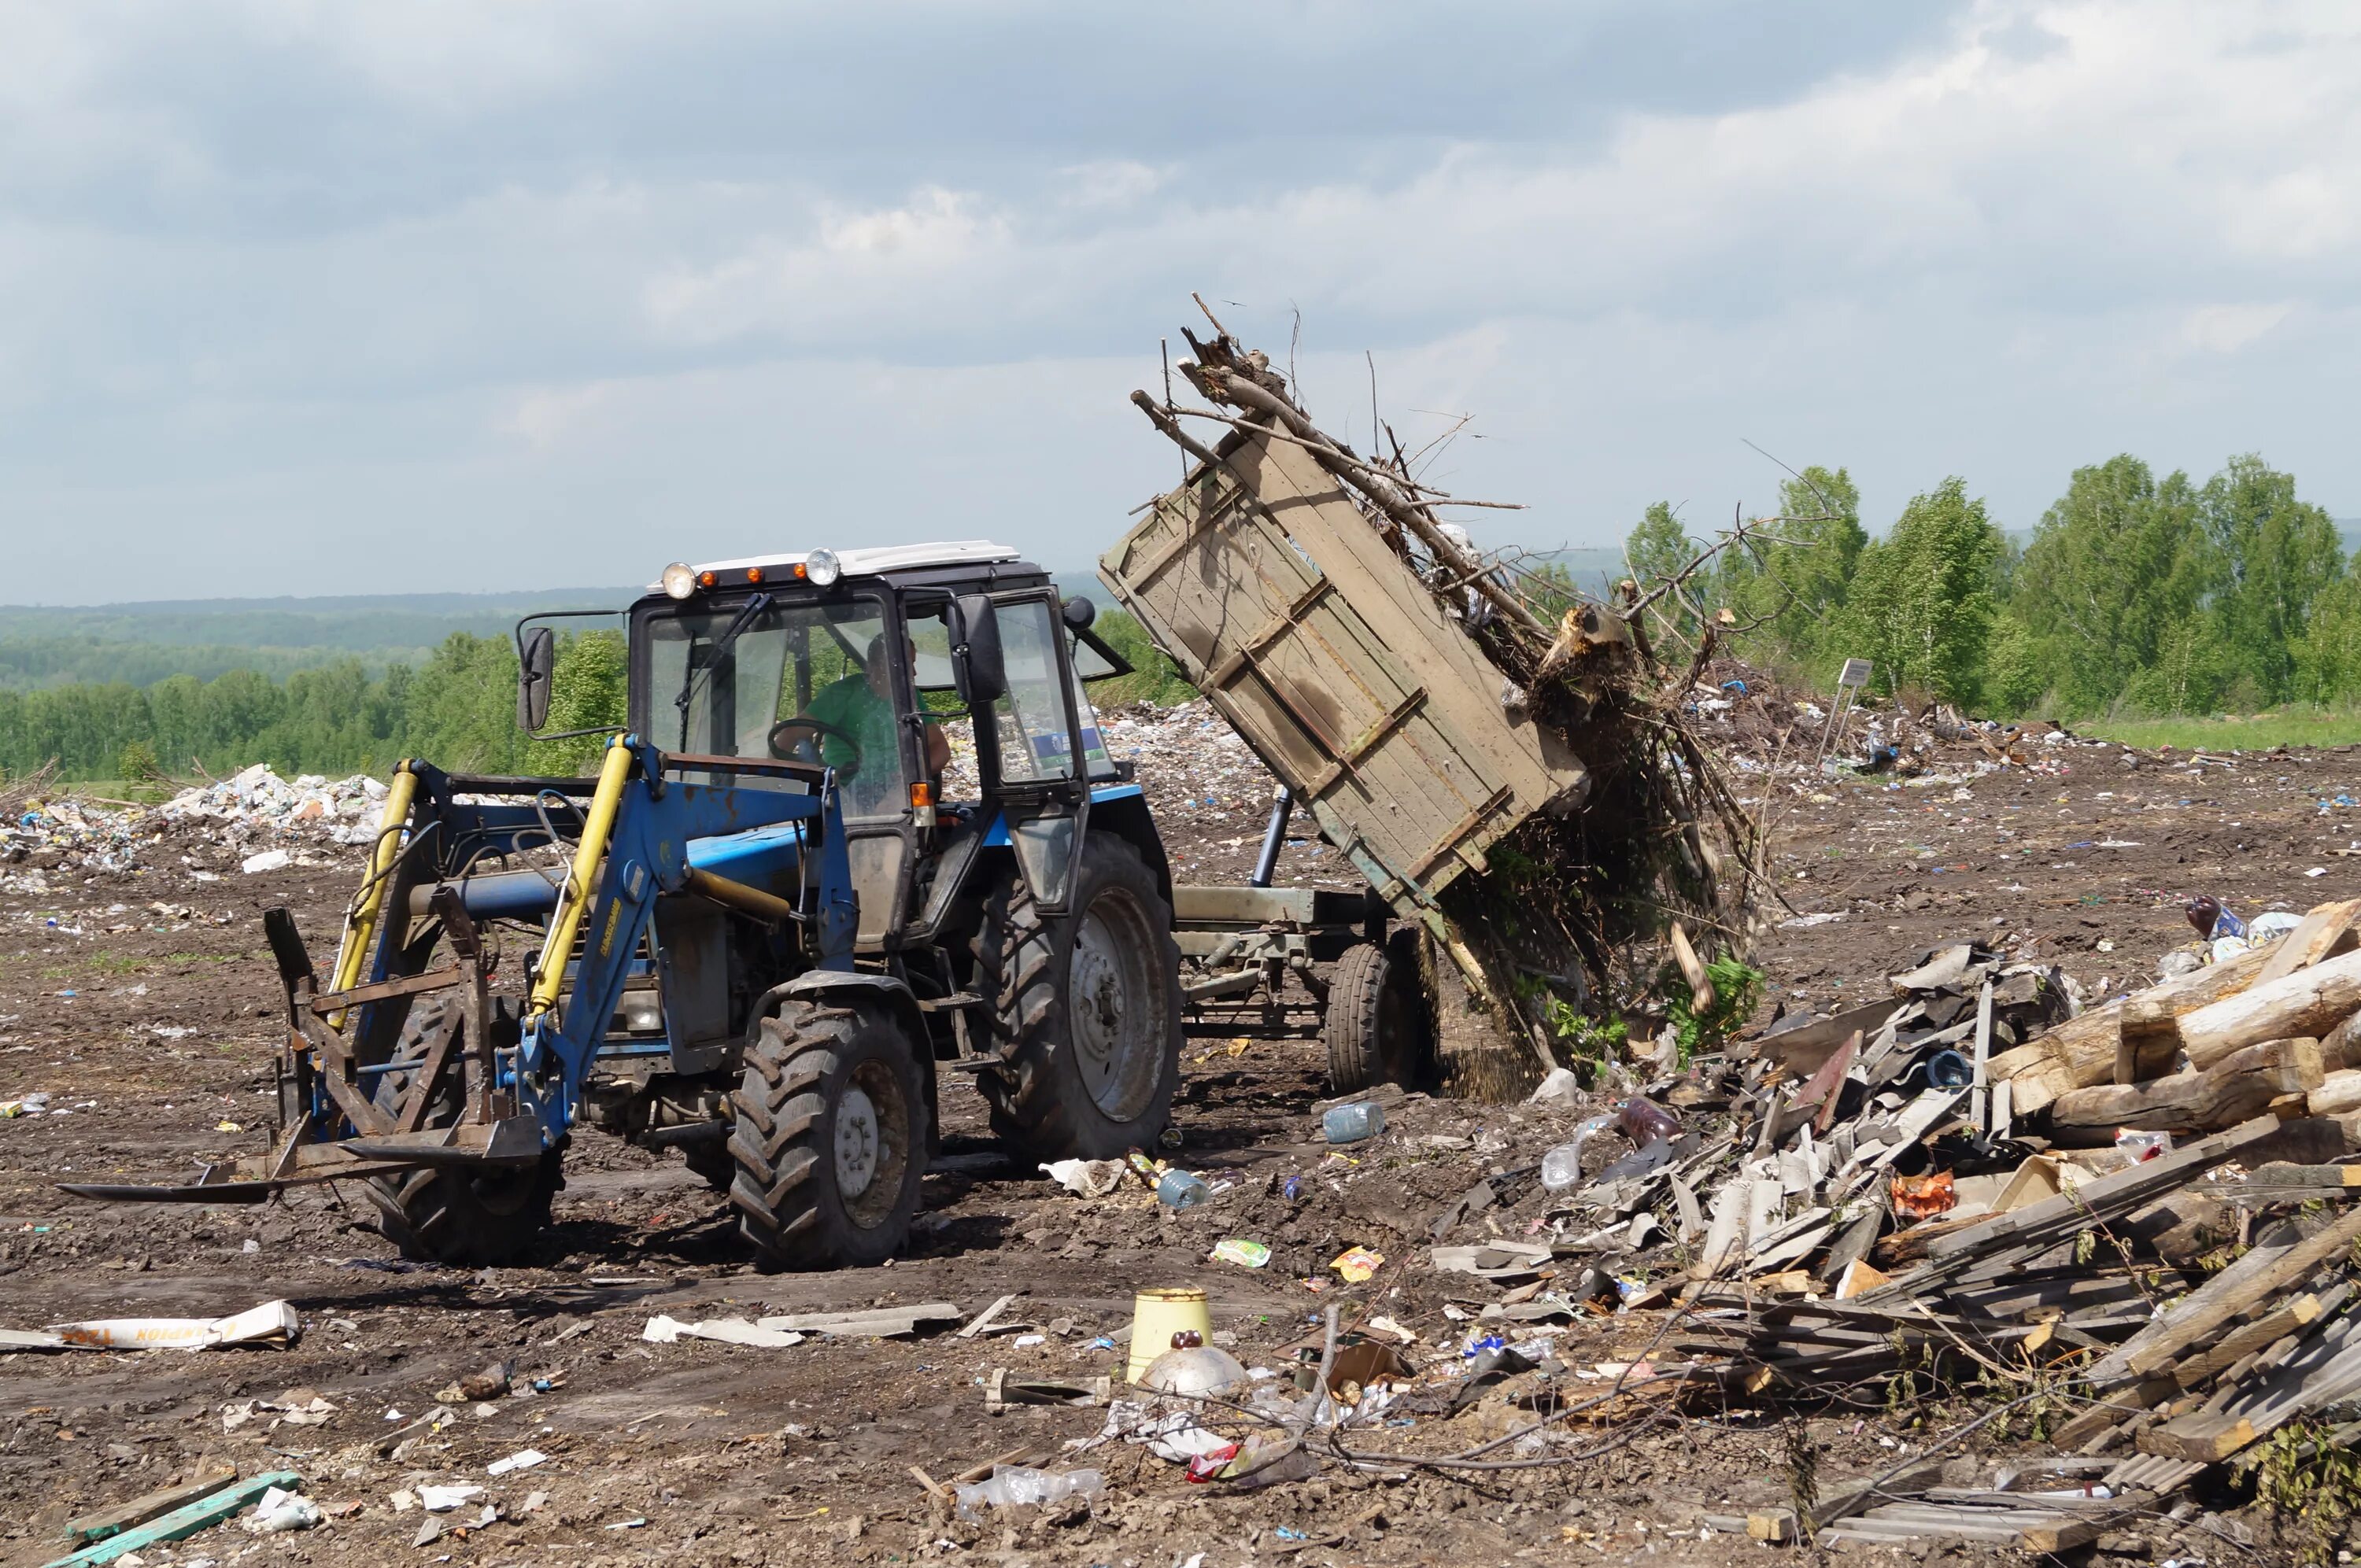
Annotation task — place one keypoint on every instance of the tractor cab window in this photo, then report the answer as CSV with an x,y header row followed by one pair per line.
x,y
785,678
938,691
1029,722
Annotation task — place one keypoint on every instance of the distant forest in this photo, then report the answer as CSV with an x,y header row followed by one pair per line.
x,y
331,711
2133,595
2136,595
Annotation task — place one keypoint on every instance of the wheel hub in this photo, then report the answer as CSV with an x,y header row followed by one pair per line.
x,y
858,1142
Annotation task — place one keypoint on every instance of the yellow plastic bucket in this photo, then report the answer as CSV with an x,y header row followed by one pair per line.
x,y
1157,1316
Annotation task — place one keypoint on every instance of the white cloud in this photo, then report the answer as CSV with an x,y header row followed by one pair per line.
x,y
280,251
2226,329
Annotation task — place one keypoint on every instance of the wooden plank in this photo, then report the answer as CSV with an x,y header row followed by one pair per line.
x,y
2244,1340
1980,1084
140,1509
2314,937
2116,1192
183,1522
2202,1314
983,1320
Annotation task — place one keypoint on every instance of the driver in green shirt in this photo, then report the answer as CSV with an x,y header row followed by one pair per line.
x,y
861,740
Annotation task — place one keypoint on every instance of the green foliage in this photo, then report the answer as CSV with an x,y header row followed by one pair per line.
x,y
137,761
1794,588
2274,555
2117,570
1922,601
1737,988
1656,549
1154,678
2312,1483
459,710
1587,1039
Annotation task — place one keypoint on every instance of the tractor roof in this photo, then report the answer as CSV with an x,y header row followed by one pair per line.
x,y
873,560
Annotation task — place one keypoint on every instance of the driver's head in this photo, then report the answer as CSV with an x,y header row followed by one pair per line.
x,y
879,673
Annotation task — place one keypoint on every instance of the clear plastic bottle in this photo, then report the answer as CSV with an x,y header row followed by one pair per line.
x,y
1181,1190
1351,1123
1562,1166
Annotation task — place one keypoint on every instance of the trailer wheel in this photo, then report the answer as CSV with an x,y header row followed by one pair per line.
x,y
831,1144
1374,1027
475,1220
1086,1009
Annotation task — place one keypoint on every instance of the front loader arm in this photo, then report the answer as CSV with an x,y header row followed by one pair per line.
x,y
639,826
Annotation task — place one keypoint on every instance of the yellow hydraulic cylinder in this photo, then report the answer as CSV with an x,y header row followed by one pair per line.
x,y
574,902
360,923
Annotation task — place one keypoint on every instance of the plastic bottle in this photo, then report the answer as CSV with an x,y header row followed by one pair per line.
x,y
1181,1190
1351,1123
1643,1121
1562,1166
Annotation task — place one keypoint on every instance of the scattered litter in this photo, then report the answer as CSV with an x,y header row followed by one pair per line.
x,y
281,1509
1011,1486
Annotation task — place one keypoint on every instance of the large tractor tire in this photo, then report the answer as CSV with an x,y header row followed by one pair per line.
x,y
831,1144
1375,1028
1086,1009
472,1219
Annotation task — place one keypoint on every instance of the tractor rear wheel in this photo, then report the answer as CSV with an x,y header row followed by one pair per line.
x,y
1375,1028
831,1143
472,1219
1086,1009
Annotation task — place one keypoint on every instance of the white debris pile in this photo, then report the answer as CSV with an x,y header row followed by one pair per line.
x,y
255,821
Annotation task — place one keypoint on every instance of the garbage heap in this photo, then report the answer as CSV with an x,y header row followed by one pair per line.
x,y
255,821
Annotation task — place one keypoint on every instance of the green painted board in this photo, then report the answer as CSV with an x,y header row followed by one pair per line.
x,y
183,1522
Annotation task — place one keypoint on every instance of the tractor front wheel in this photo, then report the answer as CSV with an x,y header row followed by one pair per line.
x,y
831,1143
471,1219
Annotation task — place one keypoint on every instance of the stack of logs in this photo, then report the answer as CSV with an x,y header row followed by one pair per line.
x,y
2278,1030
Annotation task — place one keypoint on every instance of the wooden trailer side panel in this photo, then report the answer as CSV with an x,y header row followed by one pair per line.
x,y
1338,666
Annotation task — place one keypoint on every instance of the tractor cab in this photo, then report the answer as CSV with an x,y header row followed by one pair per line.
x,y
942,684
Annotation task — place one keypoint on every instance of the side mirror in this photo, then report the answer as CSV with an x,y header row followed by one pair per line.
x,y
1079,613
976,661
536,663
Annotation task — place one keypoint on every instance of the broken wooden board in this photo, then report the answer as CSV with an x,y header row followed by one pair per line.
x,y
115,1520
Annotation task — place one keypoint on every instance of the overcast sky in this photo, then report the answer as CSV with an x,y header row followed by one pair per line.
x,y
303,298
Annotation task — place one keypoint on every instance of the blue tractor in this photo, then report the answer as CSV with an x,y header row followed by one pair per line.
x,y
861,824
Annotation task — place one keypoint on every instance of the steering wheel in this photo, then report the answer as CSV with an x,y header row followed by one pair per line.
x,y
783,742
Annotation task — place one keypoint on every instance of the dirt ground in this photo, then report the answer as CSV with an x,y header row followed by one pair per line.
x,y
144,1003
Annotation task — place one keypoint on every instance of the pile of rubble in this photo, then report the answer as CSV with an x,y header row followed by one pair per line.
x,y
1857,1208
255,821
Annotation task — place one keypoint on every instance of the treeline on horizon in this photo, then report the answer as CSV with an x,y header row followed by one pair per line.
x,y
456,709
2136,595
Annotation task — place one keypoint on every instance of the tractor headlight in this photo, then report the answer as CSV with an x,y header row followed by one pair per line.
x,y
821,568
679,579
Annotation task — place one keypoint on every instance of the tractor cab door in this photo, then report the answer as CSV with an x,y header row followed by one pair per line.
x,y
1037,746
